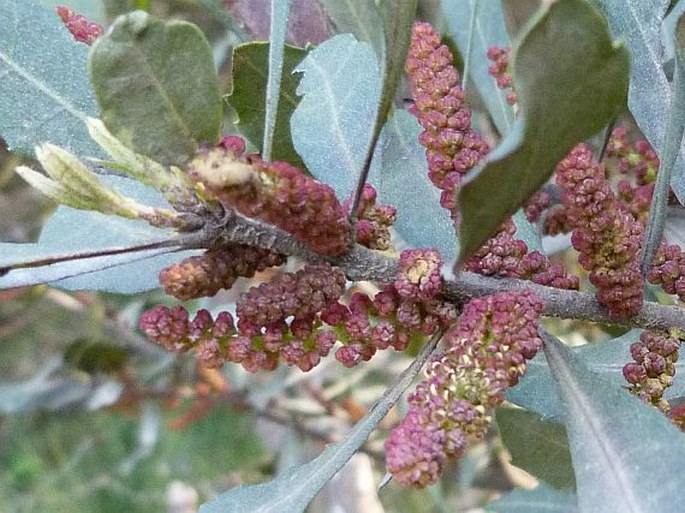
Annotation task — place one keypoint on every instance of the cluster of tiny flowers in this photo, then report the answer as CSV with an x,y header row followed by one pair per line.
x,y
487,353
300,294
500,70
216,341
275,192
605,234
505,256
452,147
82,29
638,158
367,325
668,270
216,269
373,220
653,368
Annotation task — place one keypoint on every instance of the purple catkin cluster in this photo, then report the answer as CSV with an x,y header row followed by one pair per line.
x,y
373,220
173,330
452,147
505,256
367,325
301,295
216,269
275,192
216,341
418,277
604,232
668,270
487,353
653,368
500,70
83,30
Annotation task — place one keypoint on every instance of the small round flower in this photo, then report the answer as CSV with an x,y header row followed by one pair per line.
x,y
418,277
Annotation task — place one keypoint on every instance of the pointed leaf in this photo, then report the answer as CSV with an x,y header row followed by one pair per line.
x,y
404,184
539,447
333,123
626,454
157,87
542,499
250,70
44,92
280,10
292,491
488,30
571,80
639,22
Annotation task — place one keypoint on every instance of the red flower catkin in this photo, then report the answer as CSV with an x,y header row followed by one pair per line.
x,y
275,192
453,148
605,234
487,353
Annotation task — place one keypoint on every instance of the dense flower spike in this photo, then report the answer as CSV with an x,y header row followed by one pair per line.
x,y
500,70
373,221
452,147
604,232
216,269
299,294
487,353
653,367
216,341
82,30
275,192
505,256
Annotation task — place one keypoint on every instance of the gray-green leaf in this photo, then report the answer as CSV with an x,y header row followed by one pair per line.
x,y
542,499
157,87
627,456
44,90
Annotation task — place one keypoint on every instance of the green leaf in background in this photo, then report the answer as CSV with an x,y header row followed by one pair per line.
x,y
404,185
542,499
536,390
488,30
639,22
571,80
280,11
292,491
72,231
157,87
44,91
334,121
359,18
627,456
250,70
539,447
